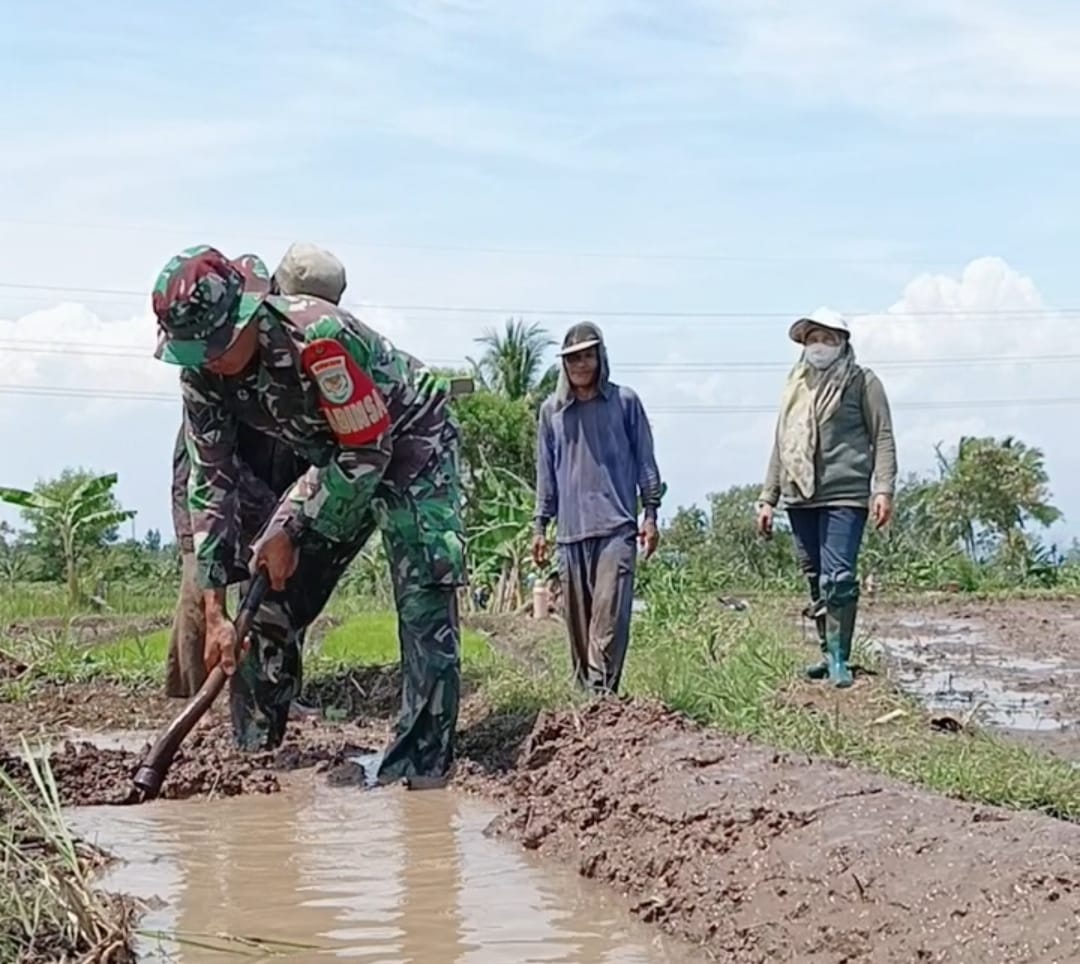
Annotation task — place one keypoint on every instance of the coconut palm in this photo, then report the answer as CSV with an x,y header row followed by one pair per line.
x,y
513,361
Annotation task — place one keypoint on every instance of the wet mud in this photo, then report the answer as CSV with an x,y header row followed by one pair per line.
x,y
765,857
206,765
1013,665
45,708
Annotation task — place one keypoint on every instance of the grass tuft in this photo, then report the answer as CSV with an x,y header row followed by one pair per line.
x,y
49,908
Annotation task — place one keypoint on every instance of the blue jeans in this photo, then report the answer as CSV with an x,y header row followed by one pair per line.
x,y
827,541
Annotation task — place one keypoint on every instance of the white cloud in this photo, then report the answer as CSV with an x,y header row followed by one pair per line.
x,y
699,451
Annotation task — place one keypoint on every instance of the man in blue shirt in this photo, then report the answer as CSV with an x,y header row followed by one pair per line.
x,y
594,455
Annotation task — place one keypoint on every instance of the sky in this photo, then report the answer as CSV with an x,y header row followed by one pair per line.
x,y
691,174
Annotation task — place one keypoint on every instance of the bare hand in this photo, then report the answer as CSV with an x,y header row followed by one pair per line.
x,y
540,550
881,508
279,556
221,646
765,521
649,537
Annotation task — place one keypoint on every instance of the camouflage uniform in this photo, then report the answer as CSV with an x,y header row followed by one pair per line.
x,y
383,453
267,469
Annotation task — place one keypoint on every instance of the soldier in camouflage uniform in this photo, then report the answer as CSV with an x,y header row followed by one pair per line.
x,y
267,466
383,453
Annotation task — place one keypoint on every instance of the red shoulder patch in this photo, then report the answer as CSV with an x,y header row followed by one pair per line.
x,y
348,397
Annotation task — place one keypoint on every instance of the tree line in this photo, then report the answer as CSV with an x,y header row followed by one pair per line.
x,y
975,522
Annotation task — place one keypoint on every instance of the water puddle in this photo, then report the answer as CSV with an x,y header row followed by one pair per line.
x,y
954,666
386,875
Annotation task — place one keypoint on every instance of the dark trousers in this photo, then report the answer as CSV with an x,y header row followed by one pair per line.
x,y
597,577
827,542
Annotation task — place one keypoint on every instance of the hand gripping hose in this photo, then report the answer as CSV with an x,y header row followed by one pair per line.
x,y
155,765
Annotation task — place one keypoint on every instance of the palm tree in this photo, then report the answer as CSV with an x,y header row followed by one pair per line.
x,y
513,361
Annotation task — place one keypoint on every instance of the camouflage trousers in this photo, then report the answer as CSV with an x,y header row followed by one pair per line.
x,y
423,536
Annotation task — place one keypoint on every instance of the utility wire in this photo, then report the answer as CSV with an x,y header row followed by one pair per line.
x,y
958,315
148,395
705,367
495,249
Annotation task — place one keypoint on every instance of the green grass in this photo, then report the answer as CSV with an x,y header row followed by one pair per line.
x,y
732,671
366,639
41,600
371,639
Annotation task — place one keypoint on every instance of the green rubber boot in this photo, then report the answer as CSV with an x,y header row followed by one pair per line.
x,y
842,599
816,611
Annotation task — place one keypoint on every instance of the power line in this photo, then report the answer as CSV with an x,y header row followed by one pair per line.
x,y
703,367
959,315
503,250
742,409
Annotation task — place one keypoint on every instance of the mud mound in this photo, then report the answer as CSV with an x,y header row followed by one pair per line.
x,y
207,764
765,857
363,693
493,742
50,708
518,636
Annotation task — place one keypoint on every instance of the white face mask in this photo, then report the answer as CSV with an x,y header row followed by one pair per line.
x,y
821,356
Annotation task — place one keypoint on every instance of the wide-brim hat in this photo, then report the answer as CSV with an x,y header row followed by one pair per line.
x,y
203,300
581,337
819,318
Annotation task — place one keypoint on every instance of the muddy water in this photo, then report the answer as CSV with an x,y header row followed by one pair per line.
x,y
382,875
1012,667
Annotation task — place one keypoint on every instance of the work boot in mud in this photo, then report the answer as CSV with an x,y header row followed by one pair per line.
x,y
816,611
842,599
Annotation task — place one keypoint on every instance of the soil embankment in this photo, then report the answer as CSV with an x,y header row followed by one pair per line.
x,y
755,854
768,857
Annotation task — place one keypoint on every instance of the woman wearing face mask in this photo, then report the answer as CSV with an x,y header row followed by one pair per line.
x,y
834,464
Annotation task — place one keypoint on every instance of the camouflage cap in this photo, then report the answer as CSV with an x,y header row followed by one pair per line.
x,y
580,337
307,269
202,299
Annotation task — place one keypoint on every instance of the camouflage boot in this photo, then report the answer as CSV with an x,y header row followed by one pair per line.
x,y
816,611
842,601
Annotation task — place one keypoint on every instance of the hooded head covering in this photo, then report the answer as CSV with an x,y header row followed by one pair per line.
x,y
580,337
810,399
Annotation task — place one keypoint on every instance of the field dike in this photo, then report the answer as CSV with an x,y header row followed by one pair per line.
x,y
736,849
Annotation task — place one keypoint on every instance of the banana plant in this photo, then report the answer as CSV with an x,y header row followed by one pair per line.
x,y
69,515
499,533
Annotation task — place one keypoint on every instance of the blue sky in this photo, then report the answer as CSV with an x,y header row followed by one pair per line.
x,y
751,159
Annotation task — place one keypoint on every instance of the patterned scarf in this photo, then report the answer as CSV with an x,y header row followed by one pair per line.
x,y
810,398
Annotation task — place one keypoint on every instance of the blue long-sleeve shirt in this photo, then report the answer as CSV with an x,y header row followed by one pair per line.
x,y
592,460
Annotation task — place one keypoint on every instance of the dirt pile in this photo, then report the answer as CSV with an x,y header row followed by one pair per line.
x,y
49,708
205,765
765,857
